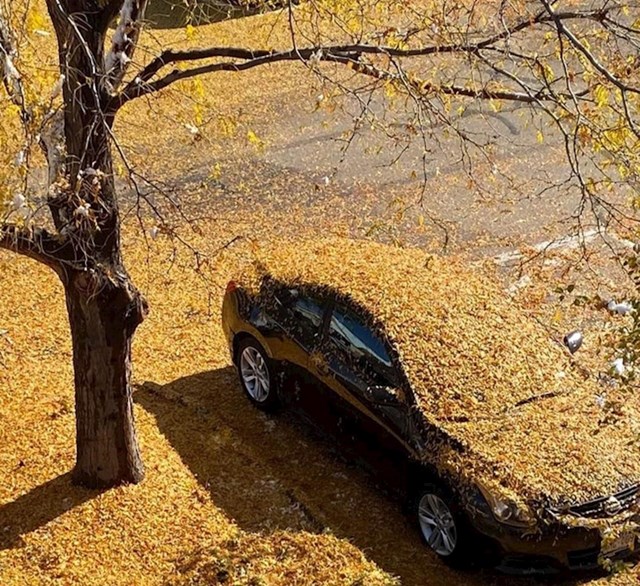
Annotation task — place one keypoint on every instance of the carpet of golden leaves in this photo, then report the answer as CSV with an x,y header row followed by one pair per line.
x,y
230,496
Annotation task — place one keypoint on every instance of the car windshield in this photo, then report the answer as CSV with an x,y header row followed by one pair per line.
x,y
359,337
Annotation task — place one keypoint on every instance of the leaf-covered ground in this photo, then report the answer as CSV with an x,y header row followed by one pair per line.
x,y
209,487
231,496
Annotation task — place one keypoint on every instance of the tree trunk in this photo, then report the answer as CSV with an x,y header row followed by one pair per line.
x,y
103,305
103,316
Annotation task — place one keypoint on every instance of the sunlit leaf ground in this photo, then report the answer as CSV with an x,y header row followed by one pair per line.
x,y
229,492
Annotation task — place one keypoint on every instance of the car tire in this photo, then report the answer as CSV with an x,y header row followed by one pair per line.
x,y
257,375
444,526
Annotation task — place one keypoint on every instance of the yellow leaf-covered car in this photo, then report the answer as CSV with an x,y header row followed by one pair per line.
x,y
451,391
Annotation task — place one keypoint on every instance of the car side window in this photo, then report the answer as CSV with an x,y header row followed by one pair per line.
x,y
302,315
359,348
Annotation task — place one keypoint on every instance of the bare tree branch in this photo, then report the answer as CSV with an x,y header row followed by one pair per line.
x,y
601,69
172,56
138,88
11,77
124,42
37,244
349,54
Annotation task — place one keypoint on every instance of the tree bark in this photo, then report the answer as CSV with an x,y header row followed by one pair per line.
x,y
103,316
103,305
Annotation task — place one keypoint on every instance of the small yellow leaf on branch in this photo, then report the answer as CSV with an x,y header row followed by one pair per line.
x,y
601,96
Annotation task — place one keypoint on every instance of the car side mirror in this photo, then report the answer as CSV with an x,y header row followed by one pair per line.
x,y
383,395
573,341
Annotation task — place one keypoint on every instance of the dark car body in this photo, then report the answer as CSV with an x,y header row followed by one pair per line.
x,y
334,369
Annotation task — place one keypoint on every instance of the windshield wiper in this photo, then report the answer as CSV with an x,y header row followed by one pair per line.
x,y
534,398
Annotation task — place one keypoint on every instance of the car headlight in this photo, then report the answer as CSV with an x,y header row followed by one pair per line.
x,y
506,511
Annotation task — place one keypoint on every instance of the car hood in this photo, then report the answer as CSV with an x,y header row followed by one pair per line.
x,y
559,450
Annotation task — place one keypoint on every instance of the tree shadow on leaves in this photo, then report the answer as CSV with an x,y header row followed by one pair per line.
x,y
276,472
38,507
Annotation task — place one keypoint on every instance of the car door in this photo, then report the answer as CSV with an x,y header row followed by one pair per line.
x,y
289,322
355,364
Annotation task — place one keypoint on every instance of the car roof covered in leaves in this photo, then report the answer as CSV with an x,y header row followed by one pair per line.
x,y
466,348
478,365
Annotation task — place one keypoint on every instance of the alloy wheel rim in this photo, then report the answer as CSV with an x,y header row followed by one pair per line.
x,y
255,374
437,524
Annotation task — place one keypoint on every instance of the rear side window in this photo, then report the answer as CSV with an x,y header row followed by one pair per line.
x,y
359,348
308,316
302,315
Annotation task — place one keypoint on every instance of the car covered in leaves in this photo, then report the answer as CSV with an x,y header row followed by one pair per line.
x,y
449,390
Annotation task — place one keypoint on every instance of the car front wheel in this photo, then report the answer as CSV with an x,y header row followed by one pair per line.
x,y
443,527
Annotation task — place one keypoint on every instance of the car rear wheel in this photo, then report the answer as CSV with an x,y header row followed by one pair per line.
x,y
443,526
256,374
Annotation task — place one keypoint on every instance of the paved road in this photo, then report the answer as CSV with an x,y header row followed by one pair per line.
x,y
505,201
